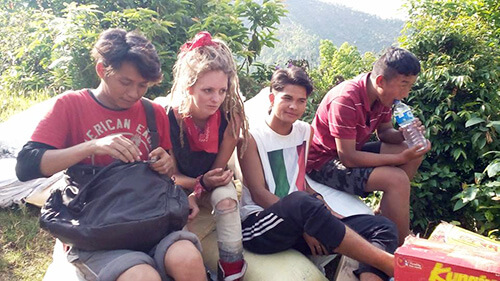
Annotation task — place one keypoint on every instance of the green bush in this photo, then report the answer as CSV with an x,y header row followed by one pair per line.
x,y
25,50
482,199
457,98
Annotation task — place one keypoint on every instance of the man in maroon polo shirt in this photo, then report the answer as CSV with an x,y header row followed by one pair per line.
x,y
341,156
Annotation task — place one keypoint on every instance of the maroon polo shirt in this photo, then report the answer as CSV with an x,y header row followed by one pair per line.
x,y
344,113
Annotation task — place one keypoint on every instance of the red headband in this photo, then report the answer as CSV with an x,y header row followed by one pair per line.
x,y
202,38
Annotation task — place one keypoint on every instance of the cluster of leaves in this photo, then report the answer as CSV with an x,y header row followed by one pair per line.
x,y
336,65
46,44
482,197
457,97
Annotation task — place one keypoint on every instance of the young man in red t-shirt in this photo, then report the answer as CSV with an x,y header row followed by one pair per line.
x,y
96,126
341,156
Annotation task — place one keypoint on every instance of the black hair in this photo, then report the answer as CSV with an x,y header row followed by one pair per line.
x,y
293,75
396,61
116,46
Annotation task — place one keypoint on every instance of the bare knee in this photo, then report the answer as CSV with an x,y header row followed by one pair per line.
x,y
397,182
388,179
183,261
227,204
140,272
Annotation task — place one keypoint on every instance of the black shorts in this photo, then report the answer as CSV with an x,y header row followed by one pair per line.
x,y
351,180
282,225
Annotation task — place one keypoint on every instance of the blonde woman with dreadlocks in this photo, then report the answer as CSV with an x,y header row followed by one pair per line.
x,y
206,116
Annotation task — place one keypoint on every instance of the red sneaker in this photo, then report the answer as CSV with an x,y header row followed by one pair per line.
x,y
231,271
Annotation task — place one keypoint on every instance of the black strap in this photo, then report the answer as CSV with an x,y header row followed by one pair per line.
x,y
151,120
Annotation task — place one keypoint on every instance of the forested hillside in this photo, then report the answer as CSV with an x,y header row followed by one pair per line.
x,y
312,20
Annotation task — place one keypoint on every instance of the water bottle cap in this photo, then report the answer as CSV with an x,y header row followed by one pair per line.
x,y
396,102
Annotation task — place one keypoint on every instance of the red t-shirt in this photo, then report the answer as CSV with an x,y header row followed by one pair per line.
x,y
78,117
344,113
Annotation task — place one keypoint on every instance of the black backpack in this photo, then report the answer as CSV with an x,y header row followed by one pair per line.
x,y
120,206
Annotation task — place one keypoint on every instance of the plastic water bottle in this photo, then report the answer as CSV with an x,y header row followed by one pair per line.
x,y
404,118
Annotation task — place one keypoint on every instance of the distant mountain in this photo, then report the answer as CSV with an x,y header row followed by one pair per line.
x,y
309,21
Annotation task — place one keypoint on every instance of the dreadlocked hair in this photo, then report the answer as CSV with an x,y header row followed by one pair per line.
x,y
194,63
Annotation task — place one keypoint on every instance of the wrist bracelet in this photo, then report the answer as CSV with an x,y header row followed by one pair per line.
x,y
198,187
203,183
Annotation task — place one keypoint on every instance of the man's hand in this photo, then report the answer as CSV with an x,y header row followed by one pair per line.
x,y
163,163
117,146
413,152
217,177
316,247
420,126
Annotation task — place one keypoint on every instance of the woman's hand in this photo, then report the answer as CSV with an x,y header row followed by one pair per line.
x,y
316,247
117,146
217,177
193,207
163,163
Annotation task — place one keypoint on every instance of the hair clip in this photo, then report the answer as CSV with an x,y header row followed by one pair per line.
x,y
202,38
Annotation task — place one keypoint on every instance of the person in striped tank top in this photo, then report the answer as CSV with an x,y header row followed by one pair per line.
x,y
280,211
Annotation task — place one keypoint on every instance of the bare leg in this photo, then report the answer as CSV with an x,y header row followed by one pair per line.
x,y
395,203
356,247
411,167
183,261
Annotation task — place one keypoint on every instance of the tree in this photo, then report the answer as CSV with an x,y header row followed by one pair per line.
x,y
53,52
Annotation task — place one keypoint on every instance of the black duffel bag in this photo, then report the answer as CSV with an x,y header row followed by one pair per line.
x,y
123,206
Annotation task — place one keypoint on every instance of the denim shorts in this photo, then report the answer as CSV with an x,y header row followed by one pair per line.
x,y
108,265
351,180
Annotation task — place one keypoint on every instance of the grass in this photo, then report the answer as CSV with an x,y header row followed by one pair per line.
x,y
25,249
12,104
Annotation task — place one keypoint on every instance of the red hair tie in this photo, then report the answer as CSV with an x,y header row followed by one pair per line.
x,y
202,38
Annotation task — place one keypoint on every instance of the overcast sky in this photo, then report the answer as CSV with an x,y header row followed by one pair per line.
x,y
386,9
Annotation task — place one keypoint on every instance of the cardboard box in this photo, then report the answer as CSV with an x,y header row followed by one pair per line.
x,y
421,259
454,235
